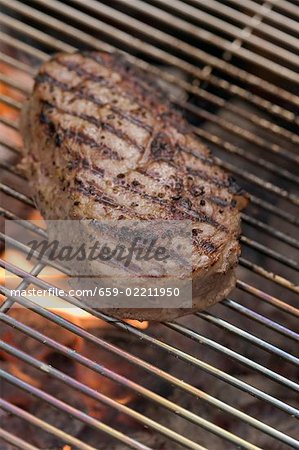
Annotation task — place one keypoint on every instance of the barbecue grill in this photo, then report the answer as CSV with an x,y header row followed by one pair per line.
x,y
224,378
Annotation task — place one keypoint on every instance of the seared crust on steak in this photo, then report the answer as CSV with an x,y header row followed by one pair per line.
x,y
103,142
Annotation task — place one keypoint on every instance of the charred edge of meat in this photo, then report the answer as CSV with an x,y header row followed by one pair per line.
x,y
234,188
72,66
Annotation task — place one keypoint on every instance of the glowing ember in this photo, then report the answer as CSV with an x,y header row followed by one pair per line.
x,y
142,325
6,111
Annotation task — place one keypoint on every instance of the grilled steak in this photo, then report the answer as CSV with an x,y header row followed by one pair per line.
x,y
102,142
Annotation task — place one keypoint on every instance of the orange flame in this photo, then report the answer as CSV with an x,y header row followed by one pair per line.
x,y
9,112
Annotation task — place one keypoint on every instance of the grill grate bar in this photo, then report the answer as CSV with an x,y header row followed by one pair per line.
x,y
12,147
269,252
10,101
276,17
77,34
149,394
231,148
151,32
12,83
16,64
286,6
249,337
16,411
207,58
201,17
277,279
75,301
261,319
232,354
259,294
90,421
10,169
14,440
263,204
84,388
9,122
15,194
243,19
270,230
139,389
202,113
23,248
13,42
269,298
240,284
259,122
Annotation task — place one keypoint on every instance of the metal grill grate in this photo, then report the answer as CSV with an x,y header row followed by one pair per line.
x,y
233,67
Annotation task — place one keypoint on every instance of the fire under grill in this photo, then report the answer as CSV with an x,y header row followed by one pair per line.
x,y
225,378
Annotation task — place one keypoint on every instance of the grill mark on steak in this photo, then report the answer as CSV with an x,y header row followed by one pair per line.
x,y
213,199
101,197
174,209
161,151
60,134
134,120
87,139
206,177
207,246
81,72
81,162
160,148
47,78
144,86
185,212
97,122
